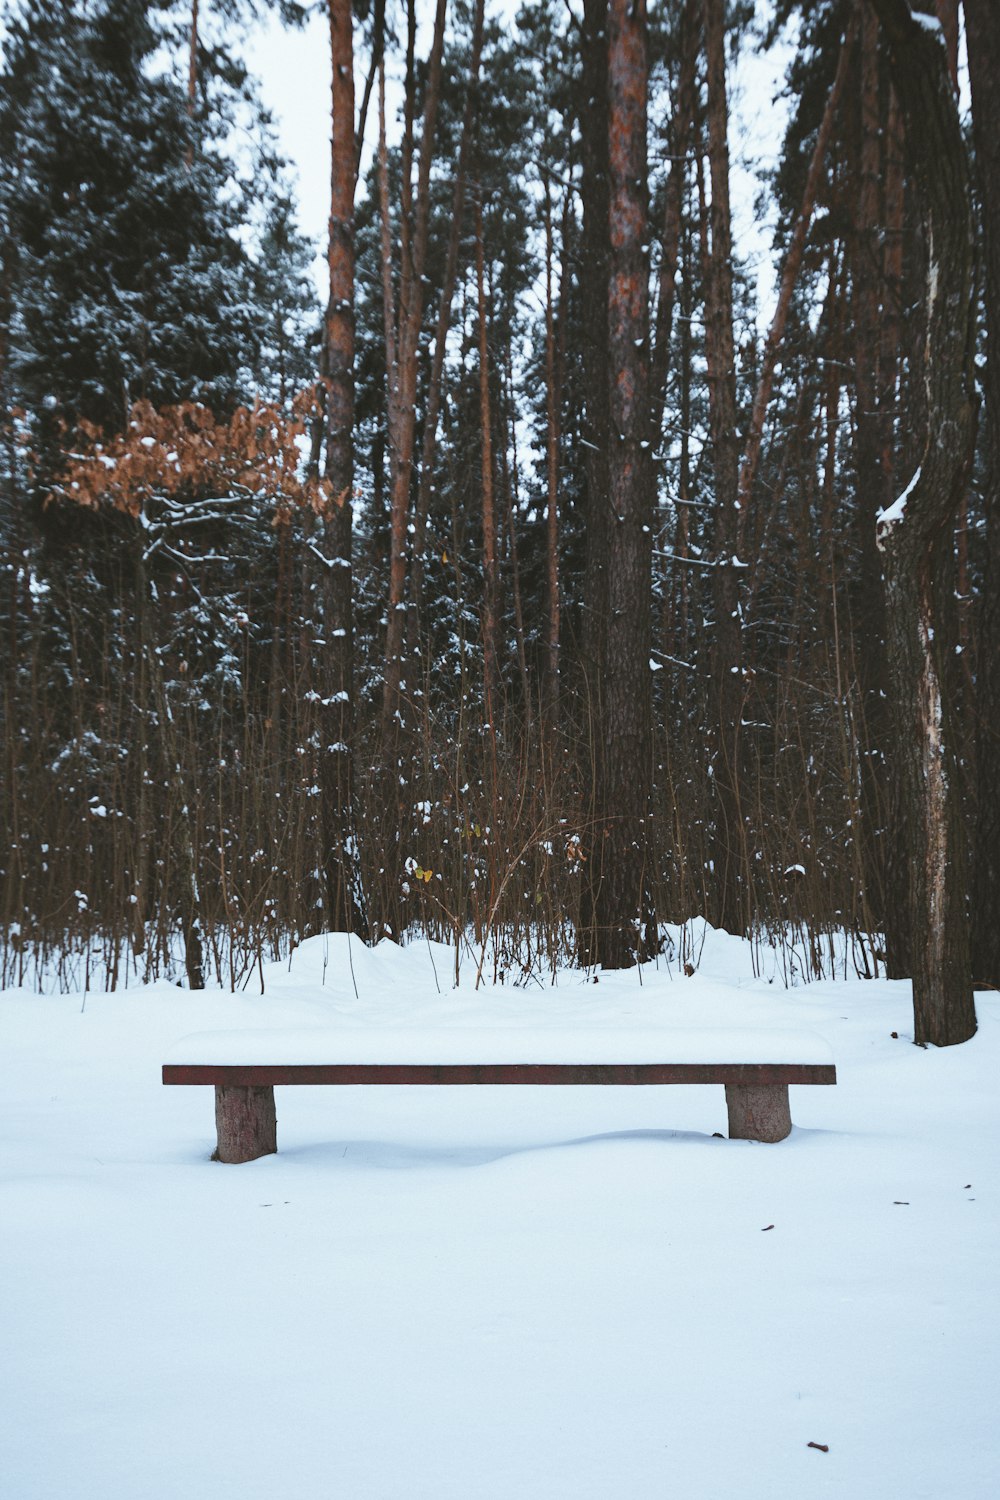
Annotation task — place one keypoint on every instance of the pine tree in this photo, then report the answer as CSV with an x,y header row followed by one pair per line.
x,y
131,281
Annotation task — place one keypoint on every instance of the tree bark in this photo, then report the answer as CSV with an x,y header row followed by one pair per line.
x,y
681,129
729,522
595,255
342,882
620,907
375,66
983,23
192,83
789,276
487,500
883,830
915,538
436,379
413,242
552,482
947,14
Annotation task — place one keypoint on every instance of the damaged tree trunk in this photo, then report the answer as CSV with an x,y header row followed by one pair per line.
x,y
915,538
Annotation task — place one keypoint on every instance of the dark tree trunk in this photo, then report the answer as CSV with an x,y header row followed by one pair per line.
x,y
488,504
873,451
552,483
789,276
595,254
184,850
375,67
413,254
436,379
192,84
982,20
681,128
947,12
619,874
343,894
729,522
915,537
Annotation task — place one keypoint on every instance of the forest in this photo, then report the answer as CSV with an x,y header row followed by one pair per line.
x,y
541,587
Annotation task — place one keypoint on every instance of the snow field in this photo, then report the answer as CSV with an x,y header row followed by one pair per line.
x,y
483,1294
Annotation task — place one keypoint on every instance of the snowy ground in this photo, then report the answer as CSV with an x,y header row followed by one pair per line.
x,y
497,1294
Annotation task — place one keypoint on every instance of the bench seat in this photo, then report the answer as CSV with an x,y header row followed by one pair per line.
x,y
755,1068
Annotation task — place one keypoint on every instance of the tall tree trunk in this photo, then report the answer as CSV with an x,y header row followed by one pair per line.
x,y
551,483
595,255
883,829
509,468
983,23
374,68
489,617
343,892
183,849
192,84
436,379
915,537
619,874
8,260
413,254
789,276
681,127
727,674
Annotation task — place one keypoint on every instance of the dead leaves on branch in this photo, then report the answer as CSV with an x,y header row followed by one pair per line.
x,y
182,452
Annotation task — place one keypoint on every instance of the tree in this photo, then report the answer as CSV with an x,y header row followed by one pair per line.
x,y
131,280
730,519
404,323
915,538
618,910
343,889
983,23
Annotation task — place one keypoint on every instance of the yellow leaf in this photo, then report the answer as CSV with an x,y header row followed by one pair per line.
x,y
428,874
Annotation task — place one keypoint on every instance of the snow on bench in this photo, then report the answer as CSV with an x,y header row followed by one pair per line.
x,y
756,1068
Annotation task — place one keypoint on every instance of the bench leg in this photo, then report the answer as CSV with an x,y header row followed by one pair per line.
x,y
758,1112
246,1123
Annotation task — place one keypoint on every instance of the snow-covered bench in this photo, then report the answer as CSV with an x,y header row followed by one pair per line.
x,y
755,1067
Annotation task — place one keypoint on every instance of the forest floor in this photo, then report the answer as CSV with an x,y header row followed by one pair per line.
x,y
497,1293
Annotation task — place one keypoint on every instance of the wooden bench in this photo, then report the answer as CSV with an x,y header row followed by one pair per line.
x,y
756,1091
